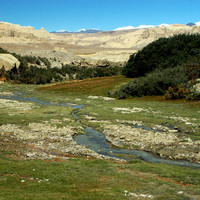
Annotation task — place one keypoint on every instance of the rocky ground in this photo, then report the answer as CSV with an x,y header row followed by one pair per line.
x,y
44,140
49,139
163,144
160,140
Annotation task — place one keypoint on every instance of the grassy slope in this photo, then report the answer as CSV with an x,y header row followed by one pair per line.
x,y
162,111
94,179
95,86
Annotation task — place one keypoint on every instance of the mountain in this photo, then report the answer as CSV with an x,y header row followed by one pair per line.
x,y
116,46
193,24
92,30
61,31
138,27
198,23
190,24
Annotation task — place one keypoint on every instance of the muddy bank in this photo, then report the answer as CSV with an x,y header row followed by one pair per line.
x,y
163,144
159,140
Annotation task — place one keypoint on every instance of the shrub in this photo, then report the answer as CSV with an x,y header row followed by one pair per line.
x,y
194,95
3,50
163,53
191,90
155,83
193,69
168,63
31,74
177,92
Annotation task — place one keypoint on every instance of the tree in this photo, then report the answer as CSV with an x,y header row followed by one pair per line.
x,y
163,53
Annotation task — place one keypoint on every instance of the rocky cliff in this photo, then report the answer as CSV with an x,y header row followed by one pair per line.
x,y
14,33
115,46
8,61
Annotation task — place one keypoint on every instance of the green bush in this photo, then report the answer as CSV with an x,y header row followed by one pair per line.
x,y
167,66
177,92
31,74
3,50
191,90
193,69
155,83
163,53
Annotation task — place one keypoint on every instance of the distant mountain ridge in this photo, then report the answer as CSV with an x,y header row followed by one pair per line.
x,y
191,24
138,27
150,26
94,30
115,46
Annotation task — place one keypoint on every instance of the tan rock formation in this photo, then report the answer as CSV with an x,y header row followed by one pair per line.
x,y
8,61
13,33
115,46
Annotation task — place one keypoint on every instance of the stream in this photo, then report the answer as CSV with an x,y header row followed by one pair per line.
x,y
96,140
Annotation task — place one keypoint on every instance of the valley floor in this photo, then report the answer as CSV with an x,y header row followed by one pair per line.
x,y
39,158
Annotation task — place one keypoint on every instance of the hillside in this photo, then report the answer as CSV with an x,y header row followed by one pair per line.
x,y
169,66
116,46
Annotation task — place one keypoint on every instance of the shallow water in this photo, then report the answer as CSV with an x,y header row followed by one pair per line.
x,y
96,141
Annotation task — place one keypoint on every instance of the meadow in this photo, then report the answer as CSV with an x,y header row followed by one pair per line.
x,y
82,177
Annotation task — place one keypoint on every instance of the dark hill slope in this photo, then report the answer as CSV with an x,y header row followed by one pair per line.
x,y
163,53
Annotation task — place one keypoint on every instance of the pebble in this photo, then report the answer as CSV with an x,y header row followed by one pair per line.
x,y
180,192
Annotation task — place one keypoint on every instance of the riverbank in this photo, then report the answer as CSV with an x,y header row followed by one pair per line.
x,y
45,139
49,139
160,128
38,155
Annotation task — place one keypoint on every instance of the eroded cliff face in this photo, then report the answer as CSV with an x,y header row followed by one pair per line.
x,y
114,46
130,39
13,33
8,61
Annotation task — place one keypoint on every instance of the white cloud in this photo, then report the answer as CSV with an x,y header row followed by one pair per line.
x,y
83,29
60,31
139,27
198,23
132,27
95,29
145,26
124,28
163,25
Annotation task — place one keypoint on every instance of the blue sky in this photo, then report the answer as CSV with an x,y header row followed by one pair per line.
x,y
107,15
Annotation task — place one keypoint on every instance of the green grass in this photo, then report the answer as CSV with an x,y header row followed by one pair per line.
x,y
92,179
38,114
161,111
94,86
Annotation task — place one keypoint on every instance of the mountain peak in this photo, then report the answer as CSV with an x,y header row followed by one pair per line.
x,y
190,24
92,30
138,27
198,23
83,30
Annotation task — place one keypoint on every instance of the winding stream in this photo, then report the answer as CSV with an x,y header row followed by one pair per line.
x,y
96,141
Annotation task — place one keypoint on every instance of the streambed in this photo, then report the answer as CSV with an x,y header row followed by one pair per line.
x,y
96,141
